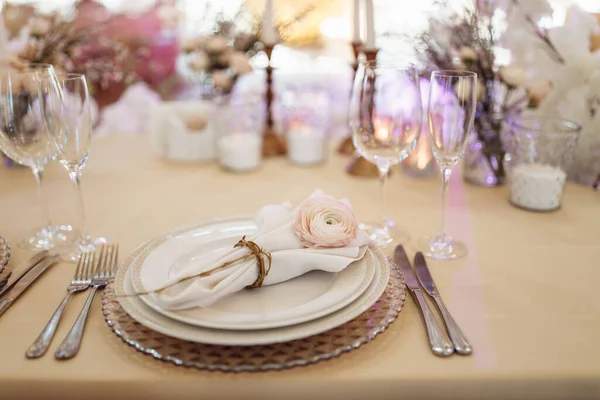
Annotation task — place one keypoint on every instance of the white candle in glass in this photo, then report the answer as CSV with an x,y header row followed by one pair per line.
x,y
537,186
356,21
305,146
370,37
269,33
240,151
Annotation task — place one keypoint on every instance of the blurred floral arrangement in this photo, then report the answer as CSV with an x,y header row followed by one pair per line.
x,y
551,71
220,58
73,48
572,69
470,41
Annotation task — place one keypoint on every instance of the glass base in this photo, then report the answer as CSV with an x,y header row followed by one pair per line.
x,y
49,237
441,247
382,236
73,252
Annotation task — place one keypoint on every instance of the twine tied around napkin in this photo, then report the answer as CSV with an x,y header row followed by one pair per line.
x,y
321,233
255,251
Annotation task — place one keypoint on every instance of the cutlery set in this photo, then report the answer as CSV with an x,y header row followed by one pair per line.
x,y
91,272
440,343
96,272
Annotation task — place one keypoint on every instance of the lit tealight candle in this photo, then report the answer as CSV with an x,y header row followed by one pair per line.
x,y
537,187
382,129
305,146
240,151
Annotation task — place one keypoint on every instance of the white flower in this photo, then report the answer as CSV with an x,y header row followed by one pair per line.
x,y
221,80
216,44
323,221
39,26
240,62
512,75
538,89
467,54
199,61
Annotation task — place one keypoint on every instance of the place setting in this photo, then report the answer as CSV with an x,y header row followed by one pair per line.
x,y
269,190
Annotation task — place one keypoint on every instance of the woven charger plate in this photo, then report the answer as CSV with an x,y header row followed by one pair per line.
x,y
279,356
4,253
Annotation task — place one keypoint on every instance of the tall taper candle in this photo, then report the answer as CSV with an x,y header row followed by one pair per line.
x,y
269,34
370,39
356,21
3,31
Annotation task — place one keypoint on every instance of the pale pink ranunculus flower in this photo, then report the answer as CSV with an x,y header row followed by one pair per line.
x,y
323,221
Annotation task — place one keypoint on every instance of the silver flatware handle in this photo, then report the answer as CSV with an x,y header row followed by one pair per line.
x,y
461,344
41,344
71,344
438,340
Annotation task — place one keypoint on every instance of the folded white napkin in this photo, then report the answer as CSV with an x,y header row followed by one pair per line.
x,y
290,259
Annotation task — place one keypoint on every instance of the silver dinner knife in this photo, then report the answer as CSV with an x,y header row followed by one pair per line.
x,y
25,282
461,345
438,340
22,269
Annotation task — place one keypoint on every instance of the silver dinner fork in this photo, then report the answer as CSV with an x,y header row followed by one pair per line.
x,y
81,281
105,271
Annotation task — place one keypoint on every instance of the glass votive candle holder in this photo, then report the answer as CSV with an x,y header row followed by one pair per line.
x,y
306,124
542,151
240,129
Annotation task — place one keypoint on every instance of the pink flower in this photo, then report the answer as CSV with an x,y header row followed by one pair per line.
x,y
325,222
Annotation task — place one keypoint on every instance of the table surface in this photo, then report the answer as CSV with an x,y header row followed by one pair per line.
x,y
526,295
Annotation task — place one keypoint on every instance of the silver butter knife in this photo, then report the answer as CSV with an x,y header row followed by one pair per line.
x,y
461,345
22,269
438,340
25,282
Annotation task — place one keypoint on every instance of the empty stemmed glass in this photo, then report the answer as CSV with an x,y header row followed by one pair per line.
x,y
65,104
24,139
385,116
452,104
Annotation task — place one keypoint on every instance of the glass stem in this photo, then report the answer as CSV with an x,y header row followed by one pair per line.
x,y
446,172
38,173
75,176
383,175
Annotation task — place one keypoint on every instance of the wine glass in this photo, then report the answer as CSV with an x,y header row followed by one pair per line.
x,y
24,139
65,104
452,104
385,117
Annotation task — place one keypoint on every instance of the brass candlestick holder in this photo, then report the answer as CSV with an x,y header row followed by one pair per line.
x,y
358,166
346,146
273,144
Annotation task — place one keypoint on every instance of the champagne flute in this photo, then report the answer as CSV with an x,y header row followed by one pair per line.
x,y
24,139
65,104
452,104
385,116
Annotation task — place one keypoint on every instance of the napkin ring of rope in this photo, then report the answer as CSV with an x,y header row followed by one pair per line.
x,y
260,255
255,251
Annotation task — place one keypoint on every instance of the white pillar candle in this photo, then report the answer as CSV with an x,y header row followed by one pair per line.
x,y
305,146
240,151
370,38
537,186
356,21
269,33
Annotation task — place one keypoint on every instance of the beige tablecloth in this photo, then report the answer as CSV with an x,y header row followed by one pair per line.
x,y
526,296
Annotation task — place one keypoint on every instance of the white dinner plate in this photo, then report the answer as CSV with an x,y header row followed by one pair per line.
x,y
151,319
298,300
